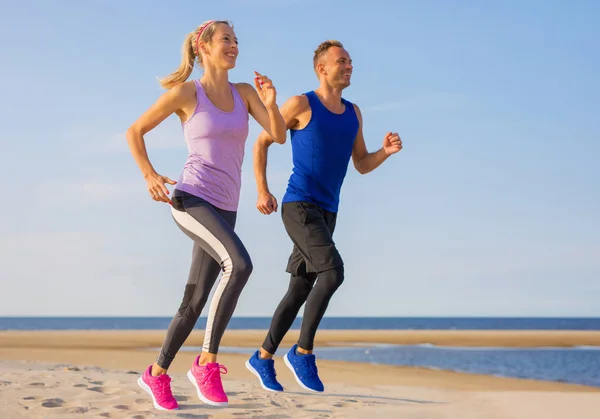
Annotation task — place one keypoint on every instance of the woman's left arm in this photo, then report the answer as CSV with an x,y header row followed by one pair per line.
x,y
262,105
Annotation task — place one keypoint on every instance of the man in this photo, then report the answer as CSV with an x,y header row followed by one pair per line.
x,y
326,130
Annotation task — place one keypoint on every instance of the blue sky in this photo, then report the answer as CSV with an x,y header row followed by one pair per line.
x,y
491,208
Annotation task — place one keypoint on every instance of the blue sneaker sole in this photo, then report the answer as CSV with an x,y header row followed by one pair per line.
x,y
253,371
304,386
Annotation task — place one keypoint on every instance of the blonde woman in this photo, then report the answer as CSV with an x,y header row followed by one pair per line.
x,y
214,114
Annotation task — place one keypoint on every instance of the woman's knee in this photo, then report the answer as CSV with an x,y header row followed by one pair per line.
x,y
192,302
242,267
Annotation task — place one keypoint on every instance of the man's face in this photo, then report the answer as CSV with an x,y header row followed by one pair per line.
x,y
337,67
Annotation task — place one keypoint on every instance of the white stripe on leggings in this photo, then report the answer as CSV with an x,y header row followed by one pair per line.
x,y
189,223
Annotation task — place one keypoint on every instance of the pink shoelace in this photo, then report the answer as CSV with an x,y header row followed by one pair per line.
x,y
213,376
163,388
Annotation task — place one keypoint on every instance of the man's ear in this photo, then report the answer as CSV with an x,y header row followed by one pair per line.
x,y
321,69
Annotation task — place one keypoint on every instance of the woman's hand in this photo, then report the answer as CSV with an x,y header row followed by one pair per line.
x,y
156,187
266,90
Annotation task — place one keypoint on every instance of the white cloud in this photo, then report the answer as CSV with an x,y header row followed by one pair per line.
x,y
64,273
44,241
166,136
87,193
163,137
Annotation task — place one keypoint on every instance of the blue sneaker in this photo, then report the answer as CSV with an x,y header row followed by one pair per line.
x,y
305,370
264,369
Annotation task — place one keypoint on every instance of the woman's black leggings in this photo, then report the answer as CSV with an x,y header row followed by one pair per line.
x,y
216,248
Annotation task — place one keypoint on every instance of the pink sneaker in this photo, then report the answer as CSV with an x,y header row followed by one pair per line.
x,y
207,380
159,388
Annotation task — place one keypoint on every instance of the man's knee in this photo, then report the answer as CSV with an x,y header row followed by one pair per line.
x,y
302,284
333,278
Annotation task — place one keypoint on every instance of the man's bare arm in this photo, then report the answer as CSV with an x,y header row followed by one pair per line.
x,y
366,162
260,152
290,110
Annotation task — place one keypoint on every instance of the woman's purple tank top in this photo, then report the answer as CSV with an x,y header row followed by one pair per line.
x,y
215,141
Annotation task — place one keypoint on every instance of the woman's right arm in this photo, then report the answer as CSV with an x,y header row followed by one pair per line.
x,y
181,100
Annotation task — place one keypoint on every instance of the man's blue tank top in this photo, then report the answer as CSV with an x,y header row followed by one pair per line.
x,y
320,154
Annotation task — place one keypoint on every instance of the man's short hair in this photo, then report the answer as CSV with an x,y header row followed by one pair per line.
x,y
322,49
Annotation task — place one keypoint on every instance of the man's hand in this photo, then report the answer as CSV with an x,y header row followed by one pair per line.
x,y
392,143
266,203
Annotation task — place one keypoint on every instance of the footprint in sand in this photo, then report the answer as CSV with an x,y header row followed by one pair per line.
x,y
104,415
121,407
143,401
23,406
111,391
78,409
37,384
53,403
80,385
30,398
274,403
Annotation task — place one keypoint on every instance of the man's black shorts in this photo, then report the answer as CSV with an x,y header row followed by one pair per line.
x,y
311,229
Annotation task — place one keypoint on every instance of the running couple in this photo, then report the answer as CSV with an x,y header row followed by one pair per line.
x,y
214,113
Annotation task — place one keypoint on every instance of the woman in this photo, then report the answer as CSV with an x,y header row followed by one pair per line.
x,y
214,114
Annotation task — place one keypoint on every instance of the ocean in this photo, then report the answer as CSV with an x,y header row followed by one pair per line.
x,y
343,323
579,365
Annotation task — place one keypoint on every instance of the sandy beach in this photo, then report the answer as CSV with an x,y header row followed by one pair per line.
x,y
93,374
